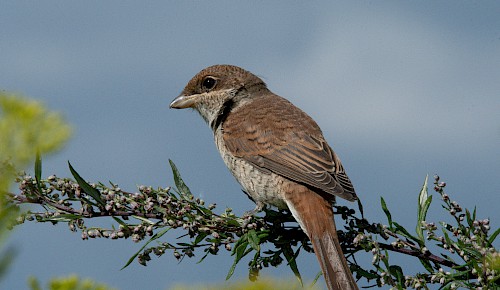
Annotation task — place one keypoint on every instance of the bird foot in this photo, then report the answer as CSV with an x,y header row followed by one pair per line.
x,y
258,208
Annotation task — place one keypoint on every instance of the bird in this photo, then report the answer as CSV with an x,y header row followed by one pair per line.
x,y
278,154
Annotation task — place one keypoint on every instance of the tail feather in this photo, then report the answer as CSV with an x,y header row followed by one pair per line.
x,y
315,216
333,264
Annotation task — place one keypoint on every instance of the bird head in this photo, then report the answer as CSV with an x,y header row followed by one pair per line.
x,y
217,89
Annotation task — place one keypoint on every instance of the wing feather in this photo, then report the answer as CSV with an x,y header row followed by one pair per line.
x,y
274,135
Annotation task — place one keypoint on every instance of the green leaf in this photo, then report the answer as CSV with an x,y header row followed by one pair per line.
x,y
124,224
34,283
424,201
68,216
179,183
232,222
422,197
291,259
241,240
182,244
240,249
460,273
263,234
468,217
447,257
360,207
154,237
253,240
401,230
473,253
6,260
203,258
254,270
160,209
494,236
38,172
447,285
200,237
385,259
427,265
144,219
386,211
204,211
397,272
94,193
38,168
447,238
315,280
363,273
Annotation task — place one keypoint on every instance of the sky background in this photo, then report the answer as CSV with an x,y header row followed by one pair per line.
x,y
400,89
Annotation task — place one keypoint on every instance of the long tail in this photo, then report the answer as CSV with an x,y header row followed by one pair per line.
x,y
315,216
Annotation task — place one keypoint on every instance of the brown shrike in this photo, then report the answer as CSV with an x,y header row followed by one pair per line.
x,y
278,154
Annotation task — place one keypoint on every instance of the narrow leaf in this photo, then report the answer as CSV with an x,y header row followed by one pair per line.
x,y
386,211
231,270
424,202
363,273
494,236
254,270
469,218
232,222
200,238
203,258
240,251
422,197
397,272
154,237
179,183
253,240
242,239
38,171
447,238
6,260
427,265
474,253
263,234
315,280
94,193
290,258
401,230
124,224
144,219
38,167
360,206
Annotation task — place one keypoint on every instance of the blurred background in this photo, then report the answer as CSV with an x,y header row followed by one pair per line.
x,y
400,90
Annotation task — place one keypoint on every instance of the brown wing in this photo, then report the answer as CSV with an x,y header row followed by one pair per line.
x,y
276,136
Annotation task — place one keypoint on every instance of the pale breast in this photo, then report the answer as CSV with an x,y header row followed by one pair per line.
x,y
261,186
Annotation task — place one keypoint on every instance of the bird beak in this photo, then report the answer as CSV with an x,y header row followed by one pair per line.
x,y
182,102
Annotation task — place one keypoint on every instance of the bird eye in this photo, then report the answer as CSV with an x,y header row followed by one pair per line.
x,y
209,83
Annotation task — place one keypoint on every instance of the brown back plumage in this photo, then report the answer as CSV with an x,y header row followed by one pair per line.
x,y
276,136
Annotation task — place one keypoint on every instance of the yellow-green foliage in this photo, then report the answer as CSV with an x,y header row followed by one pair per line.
x,y
27,126
493,261
261,284
72,282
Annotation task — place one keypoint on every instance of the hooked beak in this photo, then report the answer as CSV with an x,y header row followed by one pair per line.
x,y
182,102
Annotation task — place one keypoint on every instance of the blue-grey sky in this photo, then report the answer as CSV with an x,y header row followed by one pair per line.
x,y
400,89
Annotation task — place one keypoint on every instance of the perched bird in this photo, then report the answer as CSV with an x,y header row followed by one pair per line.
x,y
278,154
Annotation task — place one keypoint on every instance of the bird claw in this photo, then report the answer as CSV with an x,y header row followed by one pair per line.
x,y
258,208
